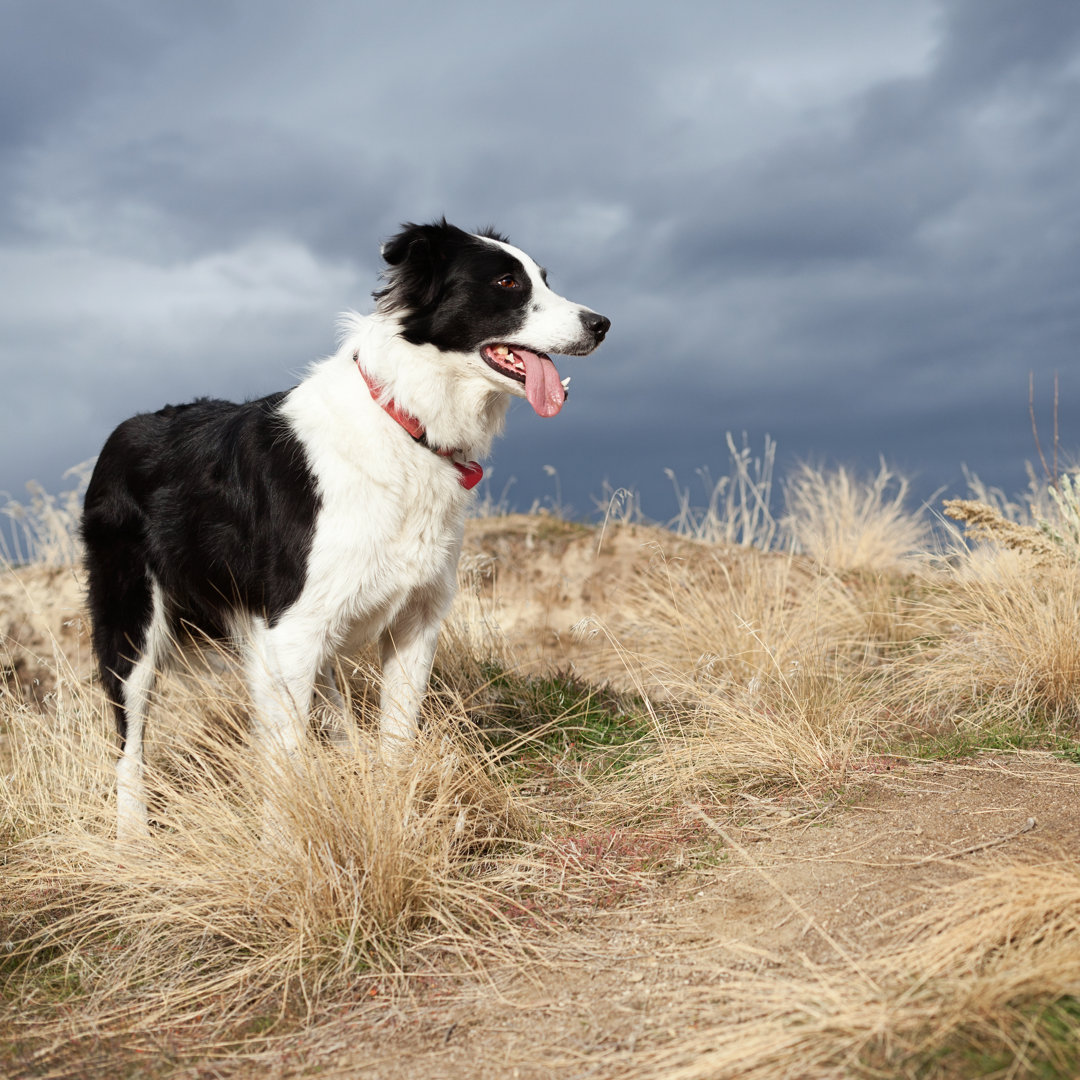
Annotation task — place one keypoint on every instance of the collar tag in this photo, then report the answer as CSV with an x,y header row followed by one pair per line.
x,y
469,474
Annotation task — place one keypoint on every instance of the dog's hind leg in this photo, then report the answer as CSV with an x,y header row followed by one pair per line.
x,y
129,622
132,692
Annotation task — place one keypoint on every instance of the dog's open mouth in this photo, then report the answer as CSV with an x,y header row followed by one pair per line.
x,y
545,392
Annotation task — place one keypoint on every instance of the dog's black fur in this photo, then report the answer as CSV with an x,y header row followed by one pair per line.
x,y
214,501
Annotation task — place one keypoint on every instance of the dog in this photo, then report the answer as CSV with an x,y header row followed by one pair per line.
x,y
304,523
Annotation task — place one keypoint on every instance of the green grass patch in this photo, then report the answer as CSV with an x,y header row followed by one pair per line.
x,y
539,720
49,973
1042,1043
1069,751
968,740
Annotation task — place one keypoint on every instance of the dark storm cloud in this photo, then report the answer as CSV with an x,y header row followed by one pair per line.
x,y
918,259
852,225
991,43
54,56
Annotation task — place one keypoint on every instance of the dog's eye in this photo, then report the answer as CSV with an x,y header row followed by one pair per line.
x,y
507,281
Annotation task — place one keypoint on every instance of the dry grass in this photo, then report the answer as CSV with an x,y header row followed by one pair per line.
x,y
762,670
45,529
738,506
1049,529
734,620
369,873
1012,651
802,728
985,522
848,524
968,991
533,800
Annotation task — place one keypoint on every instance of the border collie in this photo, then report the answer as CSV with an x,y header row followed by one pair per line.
x,y
306,522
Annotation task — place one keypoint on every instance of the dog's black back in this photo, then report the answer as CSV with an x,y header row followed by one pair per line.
x,y
212,500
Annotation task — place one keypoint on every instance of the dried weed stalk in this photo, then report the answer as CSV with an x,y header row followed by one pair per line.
x,y
984,522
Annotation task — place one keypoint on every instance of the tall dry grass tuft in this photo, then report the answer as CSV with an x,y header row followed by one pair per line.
x,y
733,619
759,669
45,530
1014,925
800,726
997,967
988,972
1012,652
851,524
367,871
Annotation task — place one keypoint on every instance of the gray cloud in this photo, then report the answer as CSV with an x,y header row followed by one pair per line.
x,y
849,224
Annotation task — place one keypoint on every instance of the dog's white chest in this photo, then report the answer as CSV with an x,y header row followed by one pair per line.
x,y
385,539
380,541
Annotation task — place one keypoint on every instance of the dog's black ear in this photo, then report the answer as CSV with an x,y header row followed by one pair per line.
x,y
396,250
416,258
421,242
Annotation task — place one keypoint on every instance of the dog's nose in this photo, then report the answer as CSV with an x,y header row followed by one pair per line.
x,y
597,325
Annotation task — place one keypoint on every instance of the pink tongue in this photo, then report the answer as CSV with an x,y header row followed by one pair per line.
x,y
542,387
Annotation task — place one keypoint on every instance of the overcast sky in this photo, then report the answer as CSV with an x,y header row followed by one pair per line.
x,y
853,225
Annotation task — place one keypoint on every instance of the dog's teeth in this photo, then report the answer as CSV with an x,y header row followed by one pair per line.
x,y
501,350
566,383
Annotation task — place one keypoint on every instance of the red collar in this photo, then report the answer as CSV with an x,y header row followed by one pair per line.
x,y
469,474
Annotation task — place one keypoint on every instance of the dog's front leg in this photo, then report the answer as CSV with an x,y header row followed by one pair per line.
x,y
407,650
281,667
330,709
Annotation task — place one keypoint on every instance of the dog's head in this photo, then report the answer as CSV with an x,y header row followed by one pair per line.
x,y
476,295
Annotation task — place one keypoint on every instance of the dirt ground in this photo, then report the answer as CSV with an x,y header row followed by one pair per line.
x,y
801,888
800,883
